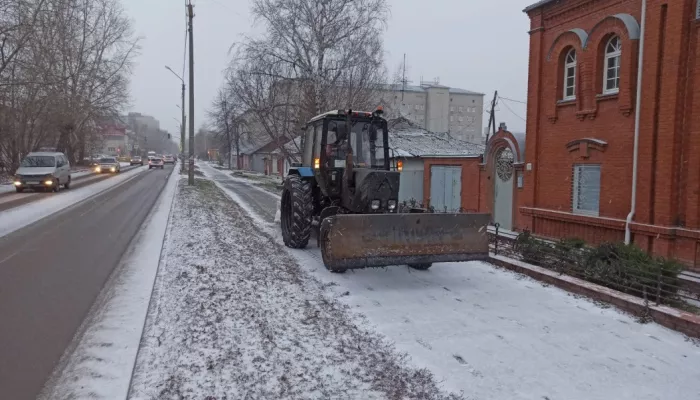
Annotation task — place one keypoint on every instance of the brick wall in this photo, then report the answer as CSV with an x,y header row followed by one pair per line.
x,y
668,185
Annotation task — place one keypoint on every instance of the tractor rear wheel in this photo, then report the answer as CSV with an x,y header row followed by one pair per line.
x,y
296,209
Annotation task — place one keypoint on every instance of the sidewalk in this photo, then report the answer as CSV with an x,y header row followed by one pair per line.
x,y
492,334
234,316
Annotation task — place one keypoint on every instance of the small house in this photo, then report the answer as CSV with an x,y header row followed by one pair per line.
x,y
437,170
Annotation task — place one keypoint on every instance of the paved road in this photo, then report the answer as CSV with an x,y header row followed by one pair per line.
x,y
51,273
14,199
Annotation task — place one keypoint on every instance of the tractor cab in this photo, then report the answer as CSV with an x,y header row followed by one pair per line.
x,y
349,154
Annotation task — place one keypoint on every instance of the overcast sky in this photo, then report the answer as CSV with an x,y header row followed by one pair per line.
x,y
470,44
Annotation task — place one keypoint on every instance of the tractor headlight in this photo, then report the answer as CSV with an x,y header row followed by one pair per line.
x,y
392,204
375,204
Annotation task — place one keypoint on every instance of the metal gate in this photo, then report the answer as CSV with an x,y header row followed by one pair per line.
x,y
503,189
446,188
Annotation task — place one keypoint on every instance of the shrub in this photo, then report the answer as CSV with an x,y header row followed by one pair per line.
x,y
629,269
615,265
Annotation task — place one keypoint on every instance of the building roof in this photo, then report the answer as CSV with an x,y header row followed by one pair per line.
x,y
539,4
407,139
335,113
421,89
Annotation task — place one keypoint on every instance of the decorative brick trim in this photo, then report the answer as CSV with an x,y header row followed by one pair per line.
x,y
583,146
667,232
577,218
672,318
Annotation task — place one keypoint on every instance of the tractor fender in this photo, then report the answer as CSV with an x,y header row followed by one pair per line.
x,y
304,172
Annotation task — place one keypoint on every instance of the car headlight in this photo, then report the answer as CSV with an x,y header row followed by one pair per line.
x,y
48,182
392,204
113,169
98,169
375,204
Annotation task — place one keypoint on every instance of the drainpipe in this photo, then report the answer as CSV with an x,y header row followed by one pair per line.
x,y
637,115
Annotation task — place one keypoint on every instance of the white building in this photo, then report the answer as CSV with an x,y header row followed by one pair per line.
x,y
438,108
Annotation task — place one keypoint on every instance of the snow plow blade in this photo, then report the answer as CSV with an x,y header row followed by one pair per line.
x,y
376,240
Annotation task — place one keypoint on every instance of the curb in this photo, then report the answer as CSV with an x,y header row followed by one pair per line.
x,y
669,317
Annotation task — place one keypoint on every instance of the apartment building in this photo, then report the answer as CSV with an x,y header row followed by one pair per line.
x,y
437,108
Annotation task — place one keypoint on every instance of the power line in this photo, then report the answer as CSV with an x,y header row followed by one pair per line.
x,y
511,111
515,101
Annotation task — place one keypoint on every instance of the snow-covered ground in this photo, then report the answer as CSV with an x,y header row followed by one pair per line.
x,y
21,216
493,334
234,316
101,364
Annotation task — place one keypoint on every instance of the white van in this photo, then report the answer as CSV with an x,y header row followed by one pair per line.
x,y
43,171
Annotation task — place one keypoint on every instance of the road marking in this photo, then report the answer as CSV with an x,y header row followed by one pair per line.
x,y
10,256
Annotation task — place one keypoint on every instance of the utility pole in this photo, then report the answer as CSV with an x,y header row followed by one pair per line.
x,y
190,172
492,117
182,129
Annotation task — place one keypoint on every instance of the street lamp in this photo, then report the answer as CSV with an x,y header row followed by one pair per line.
x,y
182,124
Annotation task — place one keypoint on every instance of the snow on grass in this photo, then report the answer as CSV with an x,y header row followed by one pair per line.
x,y
101,365
19,217
498,335
234,316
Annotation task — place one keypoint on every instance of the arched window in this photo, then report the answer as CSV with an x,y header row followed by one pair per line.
x,y
570,75
611,79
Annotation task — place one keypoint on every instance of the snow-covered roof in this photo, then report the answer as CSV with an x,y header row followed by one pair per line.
x,y
422,89
407,139
339,113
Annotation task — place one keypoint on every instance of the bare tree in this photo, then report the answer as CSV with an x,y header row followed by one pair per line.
x,y
68,71
226,122
17,27
314,56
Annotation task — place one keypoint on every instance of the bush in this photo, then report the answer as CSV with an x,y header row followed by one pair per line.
x,y
615,265
629,269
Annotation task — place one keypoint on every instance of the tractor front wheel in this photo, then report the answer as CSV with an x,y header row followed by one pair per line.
x,y
296,210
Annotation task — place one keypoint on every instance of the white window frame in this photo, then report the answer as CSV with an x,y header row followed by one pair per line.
x,y
576,189
567,66
617,53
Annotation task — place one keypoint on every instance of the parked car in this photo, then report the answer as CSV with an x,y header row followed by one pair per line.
x,y
155,162
168,159
136,160
42,171
108,164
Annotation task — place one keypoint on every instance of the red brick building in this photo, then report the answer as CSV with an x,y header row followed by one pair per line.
x,y
574,176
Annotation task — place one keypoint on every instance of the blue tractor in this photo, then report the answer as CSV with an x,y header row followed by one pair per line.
x,y
345,188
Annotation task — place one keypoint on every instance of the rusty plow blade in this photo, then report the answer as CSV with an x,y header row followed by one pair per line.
x,y
375,240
